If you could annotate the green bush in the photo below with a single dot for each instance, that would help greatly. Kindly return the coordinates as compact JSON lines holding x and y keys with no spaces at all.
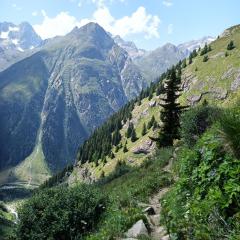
{"x":230,"y":46}
{"x":196,"y":120}
{"x":205,"y":58}
{"x":120,"y":169}
{"x":230,"y":130}
{"x":61,"y":213}
{"x":205,"y":201}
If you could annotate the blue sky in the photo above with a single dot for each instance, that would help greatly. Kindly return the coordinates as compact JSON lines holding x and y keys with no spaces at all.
{"x":149,"y":23}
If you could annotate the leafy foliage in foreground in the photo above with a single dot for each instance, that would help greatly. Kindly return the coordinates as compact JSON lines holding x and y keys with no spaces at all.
{"x":205,"y":201}
{"x":61,"y":213}
{"x":196,"y":120}
{"x":230,"y":131}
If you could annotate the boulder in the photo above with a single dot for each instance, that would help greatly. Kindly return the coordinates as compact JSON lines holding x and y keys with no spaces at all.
{"x":145,"y":147}
{"x":138,"y":229}
{"x":194,"y":99}
{"x":236,"y":83}
{"x":152,"y":103}
{"x":149,"y":211}
{"x":129,"y":239}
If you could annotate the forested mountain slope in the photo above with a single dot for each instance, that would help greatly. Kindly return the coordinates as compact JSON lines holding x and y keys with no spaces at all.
{"x":51,"y":101}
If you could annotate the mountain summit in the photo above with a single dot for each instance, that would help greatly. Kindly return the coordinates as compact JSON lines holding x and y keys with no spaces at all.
{"x":51,"y":101}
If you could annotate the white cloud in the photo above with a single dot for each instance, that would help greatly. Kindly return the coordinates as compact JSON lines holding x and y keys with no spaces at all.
{"x":59,"y":25}
{"x":35,"y":13}
{"x":170,"y":29}
{"x":139,"y":22}
{"x":167,"y":3}
{"x":14,"y":5}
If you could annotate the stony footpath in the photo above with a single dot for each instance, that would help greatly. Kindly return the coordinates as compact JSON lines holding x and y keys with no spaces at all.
{"x":152,"y":211}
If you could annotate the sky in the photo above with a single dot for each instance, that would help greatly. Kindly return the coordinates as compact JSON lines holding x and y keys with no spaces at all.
{"x":149,"y":23}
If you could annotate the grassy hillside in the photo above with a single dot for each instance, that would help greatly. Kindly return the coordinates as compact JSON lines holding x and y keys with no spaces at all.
{"x":218,"y":79}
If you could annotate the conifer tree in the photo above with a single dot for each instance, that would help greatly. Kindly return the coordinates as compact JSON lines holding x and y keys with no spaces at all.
{"x":194,"y":53}
{"x":129,"y":130}
{"x":230,"y":46}
{"x":151,"y":122}
{"x":190,"y":59}
{"x":205,"y":58}
{"x":144,"y":129}
{"x":125,"y":148}
{"x":112,"y":156}
{"x":170,"y":114}
{"x":133,"y":135}
{"x":205,"y":50}
{"x":155,"y":125}
{"x":184,"y":63}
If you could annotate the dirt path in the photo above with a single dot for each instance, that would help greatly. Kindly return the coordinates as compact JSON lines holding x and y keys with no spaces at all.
{"x":158,"y":232}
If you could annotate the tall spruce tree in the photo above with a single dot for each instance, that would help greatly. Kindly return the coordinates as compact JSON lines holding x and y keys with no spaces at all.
{"x":171,"y":109}
{"x":144,"y":129}
{"x":133,"y":135}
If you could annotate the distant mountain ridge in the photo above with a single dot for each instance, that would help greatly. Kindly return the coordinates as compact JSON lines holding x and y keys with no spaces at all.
{"x":129,"y":47}
{"x":188,"y":47}
{"x":21,"y":37}
{"x":16,"y":42}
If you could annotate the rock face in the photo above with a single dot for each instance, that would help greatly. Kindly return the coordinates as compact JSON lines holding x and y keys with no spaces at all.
{"x":129,"y":47}
{"x":188,"y":47}
{"x":56,"y":97}
{"x":145,"y":147}
{"x":16,"y":42}
{"x":236,"y":83}
{"x":156,"y":62}
{"x":138,"y":229}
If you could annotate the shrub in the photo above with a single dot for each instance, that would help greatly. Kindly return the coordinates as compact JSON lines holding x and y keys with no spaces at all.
{"x":231,"y":45}
{"x":205,"y":58}
{"x":230,"y":130}
{"x":121,"y":169}
{"x":196,"y":120}
{"x":204,"y":202}
{"x":61,"y":213}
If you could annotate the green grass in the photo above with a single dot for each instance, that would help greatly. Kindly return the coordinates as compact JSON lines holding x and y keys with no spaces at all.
{"x":33,"y":170}
{"x":128,"y":157}
{"x":210,"y":74}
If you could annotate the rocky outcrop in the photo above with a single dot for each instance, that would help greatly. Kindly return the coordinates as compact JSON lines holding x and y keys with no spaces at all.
{"x":145,"y":147}
{"x":152,"y":103}
{"x":228,"y":73}
{"x":81,"y":174}
{"x":137,"y":230}
{"x":236,"y":83}
{"x":218,"y":93}
{"x":187,"y":81}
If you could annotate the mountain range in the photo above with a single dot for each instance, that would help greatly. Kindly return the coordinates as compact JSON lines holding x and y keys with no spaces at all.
{"x":54,"y":93}
{"x":16,"y":42}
